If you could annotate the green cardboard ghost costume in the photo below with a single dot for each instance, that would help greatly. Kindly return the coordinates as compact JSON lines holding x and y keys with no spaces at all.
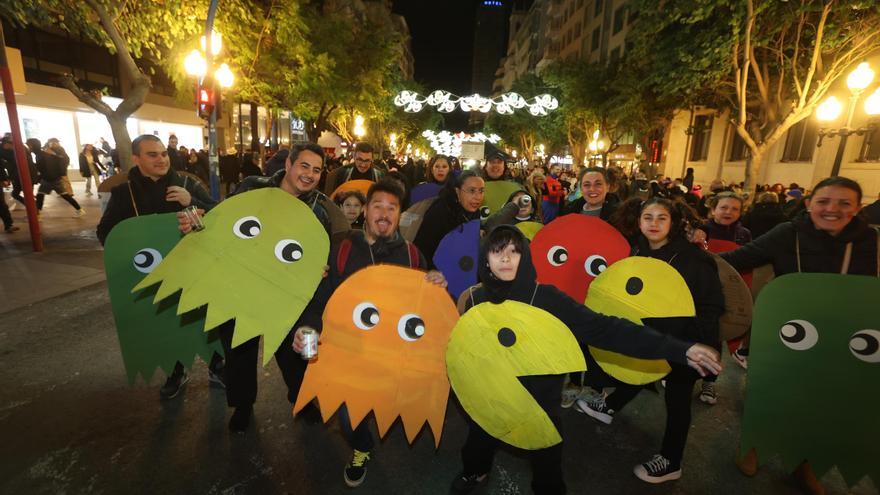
{"x":496,"y":194}
{"x":150,"y":336}
{"x":813,"y":390}
{"x":258,"y":260}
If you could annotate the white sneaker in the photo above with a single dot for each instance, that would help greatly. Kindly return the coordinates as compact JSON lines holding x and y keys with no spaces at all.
{"x":596,"y":409}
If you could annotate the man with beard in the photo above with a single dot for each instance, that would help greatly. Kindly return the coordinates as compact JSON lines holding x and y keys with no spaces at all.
{"x":362,"y":168}
{"x":300,"y":176}
{"x":379,"y":243}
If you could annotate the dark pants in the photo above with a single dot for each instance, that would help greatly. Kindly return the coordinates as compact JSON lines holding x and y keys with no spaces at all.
{"x":214,"y":366}
{"x":241,"y":367}
{"x":16,"y":191}
{"x":479,"y":451}
{"x":46,"y":187}
{"x":4,"y":211}
{"x":359,"y":438}
{"x":679,"y":389}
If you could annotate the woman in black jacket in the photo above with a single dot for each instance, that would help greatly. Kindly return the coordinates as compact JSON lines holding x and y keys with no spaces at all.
{"x":765,"y":214}
{"x":817,"y":240}
{"x":507,"y":273}
{"x":595,"y":200}
{"x":661,"y":227}
{"x":459,"y":202}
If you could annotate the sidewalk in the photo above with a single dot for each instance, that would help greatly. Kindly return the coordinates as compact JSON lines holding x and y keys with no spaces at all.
{"x":72,"y":257}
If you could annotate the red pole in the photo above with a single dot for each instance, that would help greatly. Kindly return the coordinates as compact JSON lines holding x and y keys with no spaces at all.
{"x":24,"y":173}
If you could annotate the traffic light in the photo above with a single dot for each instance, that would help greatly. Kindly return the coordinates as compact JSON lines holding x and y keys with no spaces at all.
{"x":207,"y":99}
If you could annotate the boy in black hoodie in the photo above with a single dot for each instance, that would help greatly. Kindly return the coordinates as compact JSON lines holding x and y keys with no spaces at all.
{"x":507,"y":273}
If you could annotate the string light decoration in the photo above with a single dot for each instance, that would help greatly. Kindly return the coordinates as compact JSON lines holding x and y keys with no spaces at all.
{"x":447,"y":143}
{"x":505,"y":104}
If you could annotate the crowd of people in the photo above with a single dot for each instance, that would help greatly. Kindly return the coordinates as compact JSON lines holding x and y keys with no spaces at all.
{"x":793,"y":229}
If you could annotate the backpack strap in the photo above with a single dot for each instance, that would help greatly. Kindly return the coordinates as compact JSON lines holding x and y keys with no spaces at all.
{"x":413,"y":254}
{"x":342,"y":255}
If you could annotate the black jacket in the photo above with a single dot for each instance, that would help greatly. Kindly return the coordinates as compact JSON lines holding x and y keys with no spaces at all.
{"x":734,"y":232}
{"x":588,"y":327}
{"x":820,"y":252}
{"x":872,"y":212}
{"x":608,"y":207}
{"x":143,"y":196}
{"x":700,"y":273}
{"x":442,"y":216}
{"x":360,"y":255}
{"x":763,"y":217}
{"x":51,"y":167}
{"x":84,"y":169}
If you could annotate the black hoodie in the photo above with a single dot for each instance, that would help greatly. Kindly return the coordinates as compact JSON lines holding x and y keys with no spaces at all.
{"x":588,"y":327}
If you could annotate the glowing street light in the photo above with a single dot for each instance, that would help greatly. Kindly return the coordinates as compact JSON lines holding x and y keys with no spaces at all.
{"x":216,"y":43}
{"x":224,"y":76}
{"x":359,"y":131}
{"x":857,"y":81}
{"x":195,"y":64}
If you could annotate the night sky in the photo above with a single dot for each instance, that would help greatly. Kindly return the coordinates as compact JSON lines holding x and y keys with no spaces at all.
{"x":442,"y":44}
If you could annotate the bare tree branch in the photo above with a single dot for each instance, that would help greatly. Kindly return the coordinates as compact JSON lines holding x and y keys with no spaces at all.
{"x":69,"y":82}
{"x":815,"y":60}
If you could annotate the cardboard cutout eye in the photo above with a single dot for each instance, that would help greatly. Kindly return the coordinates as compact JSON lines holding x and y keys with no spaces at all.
{"x":865,"y":345}
{"x":146,"y":260}
{"x":365,"y":316}
{"x":247,"y":227}
{"x":411,"y":327}
{"x":595,"y":265}
{"x":799,"y":335}
{"x":288,"y":251}
{"x":557,"y":255}
{"x":484,"y":212}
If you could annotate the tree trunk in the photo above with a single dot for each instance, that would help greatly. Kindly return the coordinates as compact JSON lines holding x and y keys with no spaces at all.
{"x":123,"y":141}
{"x":753,"y":168}
{"x":255,"y":127}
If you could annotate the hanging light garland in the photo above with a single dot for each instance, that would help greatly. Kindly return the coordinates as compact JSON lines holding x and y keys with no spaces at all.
{"x":505,"y":104}
{"x":447,"y":143}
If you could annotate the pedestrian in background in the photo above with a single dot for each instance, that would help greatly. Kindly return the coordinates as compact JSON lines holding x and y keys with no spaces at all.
{"x":90,"y":168}
{"x":52,"y":170}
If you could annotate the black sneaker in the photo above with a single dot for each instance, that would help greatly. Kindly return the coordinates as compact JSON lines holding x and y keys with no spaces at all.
{"x":707,"y":393}
{"x":240,"y":419}
{"x":596,"y":408}
{"x":173,"y":385}
{"x":468,"y":483}
{"x":356,"y":470}
{"x":657,"y":470}
{"x":741,"y":356}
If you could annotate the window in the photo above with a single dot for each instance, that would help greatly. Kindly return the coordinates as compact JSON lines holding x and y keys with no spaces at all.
{"x":871,"y":146}
{"x":701,"y":132}
{"x":595,"y":43}
{"x":598,"y":9}
{"x":738,"y":149}
{"x":800,"y":142}
{"x":619,"y":18}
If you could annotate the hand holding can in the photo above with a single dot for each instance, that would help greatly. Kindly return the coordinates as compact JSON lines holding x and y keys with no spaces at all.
{"x":309,"y":342}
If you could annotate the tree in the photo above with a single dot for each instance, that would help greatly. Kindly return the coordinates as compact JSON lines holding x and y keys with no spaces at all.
{"x":769,"y":62}
{"x":141,"y":33}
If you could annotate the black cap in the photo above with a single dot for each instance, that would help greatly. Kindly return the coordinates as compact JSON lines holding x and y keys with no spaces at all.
{"x":493,"y":153}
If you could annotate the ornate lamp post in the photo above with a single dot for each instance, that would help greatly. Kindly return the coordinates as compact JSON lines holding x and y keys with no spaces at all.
{"x":857,"y":81}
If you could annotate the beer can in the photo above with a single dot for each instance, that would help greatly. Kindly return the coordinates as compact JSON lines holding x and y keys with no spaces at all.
{"x":194,"y":218}
{"x":310,"y":343}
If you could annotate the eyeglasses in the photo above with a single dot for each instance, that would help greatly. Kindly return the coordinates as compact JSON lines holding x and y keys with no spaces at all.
{"x":473,"y":190}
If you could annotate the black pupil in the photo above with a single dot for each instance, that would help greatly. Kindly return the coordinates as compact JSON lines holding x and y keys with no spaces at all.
{"x":506,"y":337}
{"x":871,"y":347}
{"x":799,"y":333}
{"x":466,"y":263}
{"x":367,"y":316}
{"x":289,"y":251}
{"x":560,"y":256}
{"x":411,"y":325}
{"x":147,"y":261}
{"x":597,"y":265}
{"x":246,"y":227}
{"x":484,"y":211}
{"x":634,"y":285}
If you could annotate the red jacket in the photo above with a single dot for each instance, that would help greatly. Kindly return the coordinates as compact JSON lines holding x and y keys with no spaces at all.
{"x":554,"y":192}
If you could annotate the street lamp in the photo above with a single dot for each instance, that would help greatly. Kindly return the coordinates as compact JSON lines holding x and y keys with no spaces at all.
{"x":857,"y":81}
{"x":359,"y":130}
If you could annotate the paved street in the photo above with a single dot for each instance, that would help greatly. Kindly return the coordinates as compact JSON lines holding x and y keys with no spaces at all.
{"x":71,"y":424}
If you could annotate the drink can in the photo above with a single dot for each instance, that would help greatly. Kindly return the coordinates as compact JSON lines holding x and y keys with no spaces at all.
{"x":310,"y":343}
{"x":194,"y":218}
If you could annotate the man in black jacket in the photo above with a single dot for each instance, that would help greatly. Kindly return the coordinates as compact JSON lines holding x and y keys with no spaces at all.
{"x":178,"y":164}
{"x":302,"y":171}
{"x":379,"y":243}
{"x":362,"y":169}
{"x":153,"y":187}
{"x":4,"y":209}
{"x":52,"y":171}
